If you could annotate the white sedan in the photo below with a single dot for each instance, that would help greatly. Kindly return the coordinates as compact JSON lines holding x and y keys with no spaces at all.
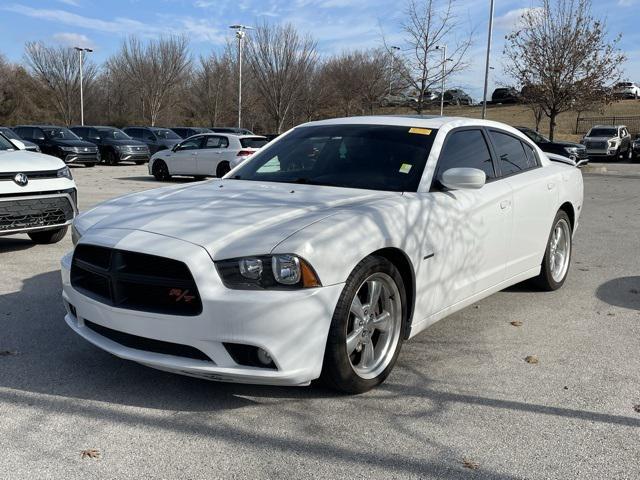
{"x":204,"y":155}
{"x":323,"y":252}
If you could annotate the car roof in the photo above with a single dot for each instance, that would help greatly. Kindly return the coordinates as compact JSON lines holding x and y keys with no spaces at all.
{"x":609,"y":126}
{"x":426,"y":121}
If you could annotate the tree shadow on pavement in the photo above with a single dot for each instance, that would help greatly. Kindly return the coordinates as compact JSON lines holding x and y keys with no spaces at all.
{"x":621,"y":292}
{"x":12,"y":244}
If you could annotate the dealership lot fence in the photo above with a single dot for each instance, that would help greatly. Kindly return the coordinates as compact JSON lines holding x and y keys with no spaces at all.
{"x":632,"y":123}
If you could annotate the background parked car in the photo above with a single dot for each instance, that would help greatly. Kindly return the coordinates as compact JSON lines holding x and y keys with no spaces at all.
{"x":11,"y":135}
{"x":60,"y":142}
{"x":456,"y":97}
{"x":626,"y":90}
{"x":505,"y":95}
{"x":610,"y":142}
{"x":574,"y":151}
{"x":204,"y":155}
{"x":636,"y":148}
{"x":232,"y":130}
{"x":115,"y":145}
{"x":398,"y":100}
{"x":186,"y":132}
{"x":156,"y":138}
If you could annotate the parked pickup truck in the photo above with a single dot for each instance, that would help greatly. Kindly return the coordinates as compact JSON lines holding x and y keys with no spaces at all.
{"x":608,"y":142}
{"x":37,"y":193}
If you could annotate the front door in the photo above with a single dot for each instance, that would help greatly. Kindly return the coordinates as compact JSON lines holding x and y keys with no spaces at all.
{"x":183,"y":160}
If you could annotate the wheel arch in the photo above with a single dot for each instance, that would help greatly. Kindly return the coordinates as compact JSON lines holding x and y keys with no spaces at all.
{"x":567,"y":207}
{"x":402,"y":262}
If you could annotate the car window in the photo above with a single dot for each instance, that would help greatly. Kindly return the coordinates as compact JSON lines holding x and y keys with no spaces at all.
{"x":37,"y":134}
{"x":6,"y":144}
{"x":466,"y":148}
{"x":531,"y":155}
{"x":147,"y":135}
{"x":603,"y":132}
{"x":216,"y":142}
{"x":512,"y":157}
{"x":253,"y":142}
{"x":191,"y":144}
{"x":376,"y":157}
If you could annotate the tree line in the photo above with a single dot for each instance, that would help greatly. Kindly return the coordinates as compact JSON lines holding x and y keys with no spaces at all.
{"x":559,"y":55}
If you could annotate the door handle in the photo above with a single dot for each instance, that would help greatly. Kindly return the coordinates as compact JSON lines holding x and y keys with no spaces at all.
{"x":550,"y":186}
{"x":505,"y":204}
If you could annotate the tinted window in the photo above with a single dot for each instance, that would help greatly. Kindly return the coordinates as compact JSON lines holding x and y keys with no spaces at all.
{"x":113,"y":133}
{"x":511,"y":155}
{"x":191,"y":144}
{"x":466,"y":148}
{"x":24,"y":132}
{"x":10,"y":134}
{"x":216,"y":142}
{"x":377,"y":157}
{"x":59,"y":133}
{"x":255,"y":142}
{"x":166,"y":134}
{"x":531,"y":155}
{"x":6,"y":144}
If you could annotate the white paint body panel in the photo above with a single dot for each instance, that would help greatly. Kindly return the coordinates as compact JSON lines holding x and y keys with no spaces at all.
{"x":462,"y":245}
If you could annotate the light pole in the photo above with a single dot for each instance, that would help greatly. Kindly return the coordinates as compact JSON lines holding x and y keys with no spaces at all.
{"x":393,"y":61}
{"x":444,"y":74}
{"x":80,"y":52}
{"x":240,"y":34}
{"x":486,"y":68}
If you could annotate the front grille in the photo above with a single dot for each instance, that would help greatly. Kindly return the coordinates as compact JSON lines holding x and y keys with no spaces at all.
{"x":147,"y":344}
{"x":596,"y":145}
{"x":135,"y":281}
{"x":31,"y":175}
{"x":34,"y":212}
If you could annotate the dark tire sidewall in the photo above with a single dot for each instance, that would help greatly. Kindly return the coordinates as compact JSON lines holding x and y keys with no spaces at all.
{"x":546,"y":280}
{"x":222,"y":169}
{"x":337,"y":371}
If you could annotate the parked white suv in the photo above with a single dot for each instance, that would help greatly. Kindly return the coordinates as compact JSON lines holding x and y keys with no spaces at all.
{"x":37,"y":193}
{"x":626,"y":90}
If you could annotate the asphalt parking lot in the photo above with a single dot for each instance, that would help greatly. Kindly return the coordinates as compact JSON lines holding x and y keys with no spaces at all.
{"x":461,"y":402}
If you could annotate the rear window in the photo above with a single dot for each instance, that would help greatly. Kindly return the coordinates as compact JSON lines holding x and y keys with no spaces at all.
{"x":253,"y":142}
{"x":374,"y":157}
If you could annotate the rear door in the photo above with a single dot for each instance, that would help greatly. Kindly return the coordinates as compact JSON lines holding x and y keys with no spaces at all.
{"x":215,"y":149}
{"x":535,"y":195}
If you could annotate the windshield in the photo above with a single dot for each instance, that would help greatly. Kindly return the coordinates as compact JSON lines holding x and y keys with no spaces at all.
{"x":253,"y":142}
{"x":603,"y":132}
{"x":6,"y":144}
{"x":376,"y":157}
{"x":113,"y":134}
{"x":536,"y":137}
{"x":167,"y":134}
{"x":60,"y":133}
{"x":7,"y":132}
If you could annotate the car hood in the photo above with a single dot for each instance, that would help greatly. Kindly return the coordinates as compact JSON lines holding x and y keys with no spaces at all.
{"x":599,"y":139}
{"x":123,"y":143}
{"x":229,"y":218}
{"x":73,"y":143}
{"x":25,"y":161}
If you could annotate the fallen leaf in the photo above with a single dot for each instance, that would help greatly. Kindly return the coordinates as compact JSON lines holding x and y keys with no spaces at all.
{"x":516,"y":323}
{"x":7,"y":353}
{"x":470,"y":464}
{"x":566,"y":388}
{"x":637,"y":408}
{"x":90,"y":453}
{"x":531,"y":359}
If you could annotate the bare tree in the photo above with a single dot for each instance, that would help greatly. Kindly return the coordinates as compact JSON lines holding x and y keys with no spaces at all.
{"x":430,"y":24}
{"x":156,"y":71}
{"x":564,"y":51}
{"x":280,"y":60}
{"x":58,"y":70}
{"x":211,"y":93}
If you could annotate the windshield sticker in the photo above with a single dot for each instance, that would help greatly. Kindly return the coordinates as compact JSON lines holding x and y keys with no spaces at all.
{"x":420,"y":131}
{"x":405,"y":168}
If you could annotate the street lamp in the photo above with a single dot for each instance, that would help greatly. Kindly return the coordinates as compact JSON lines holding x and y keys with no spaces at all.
{"x":393,"y":61}
{"x":80,"y":52}
{"x":486,"y":68}
{"x":240,"y":34}
{"x":444,"y":74}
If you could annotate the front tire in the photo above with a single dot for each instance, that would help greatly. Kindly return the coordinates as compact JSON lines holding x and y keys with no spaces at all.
{"x":367,"y":328}
{"x":557,"y":256}
{"x":161,"y":171}
{"x":110,"y":158}
{"x":48,"y":236}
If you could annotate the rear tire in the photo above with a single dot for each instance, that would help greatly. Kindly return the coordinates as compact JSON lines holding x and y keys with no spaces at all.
{"x":362,"y":348}
{"x":48,"y":236}
{"x":222,"y":169}
{"x":554,"y":270}
{"x":161,"y":171}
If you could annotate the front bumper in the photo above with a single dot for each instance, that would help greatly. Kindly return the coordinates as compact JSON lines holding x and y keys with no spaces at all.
{"x":37,"y":212}
{"x":292,"y":326}
{"x":83,"y":158}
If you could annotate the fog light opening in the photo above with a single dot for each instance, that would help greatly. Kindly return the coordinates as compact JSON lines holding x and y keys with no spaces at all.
{"x":264,"y":357}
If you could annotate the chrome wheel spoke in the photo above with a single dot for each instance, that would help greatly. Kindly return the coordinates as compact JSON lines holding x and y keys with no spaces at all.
{"x":358,"y":309}
{"x":381,"y":322}
{"x":367,"y":355}
{"x":353,"y":339}
{"x":375,"y":289}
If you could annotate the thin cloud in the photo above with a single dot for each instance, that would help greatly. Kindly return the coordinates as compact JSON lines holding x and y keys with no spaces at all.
{"x":73,"y":39}
{"x":513,"y":18}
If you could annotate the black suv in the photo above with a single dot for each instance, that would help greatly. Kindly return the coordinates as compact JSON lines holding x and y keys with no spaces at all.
{"x":186,"y":132}
{"x":574,"y":151}
{"x":115,"y":145}
{"x":11,"y":135}
{"x":156,"y":138}
{"x":456,"y":97}
{"x":60,"y":142}
{"x":505,"y":95}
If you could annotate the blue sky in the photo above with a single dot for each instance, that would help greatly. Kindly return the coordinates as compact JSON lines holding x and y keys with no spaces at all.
{"x":337,"y":25}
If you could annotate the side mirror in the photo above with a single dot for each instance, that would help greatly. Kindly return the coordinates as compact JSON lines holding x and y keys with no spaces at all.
{"x":175,"y":147}
{"x":581,"y":163}
{"x":19,"y":145}
{"x":463,"y":178}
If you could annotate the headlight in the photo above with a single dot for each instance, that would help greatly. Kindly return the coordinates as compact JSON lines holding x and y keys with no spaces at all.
{"x":75,"y":235}
{"x":571,"y":150}
{"x":613,"y":143}
{"x":68,"y":149}
{"x":284,"y":271}
{"x":37,"y":148}
{"x":64,"y":172}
